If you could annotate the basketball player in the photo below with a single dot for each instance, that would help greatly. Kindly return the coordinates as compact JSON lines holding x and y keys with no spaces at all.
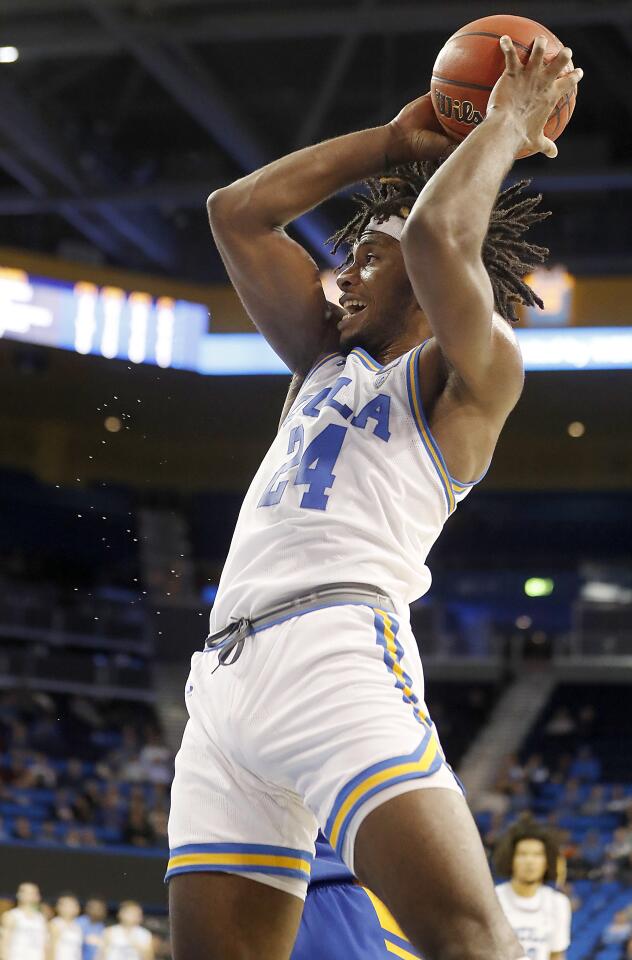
{"x":23,"y":929}
{"x":66,"y":935}
{"x":307,"y":706}
{"x":92,"y":925}
{"x":127,"y":939}
{"x":540,"y":916}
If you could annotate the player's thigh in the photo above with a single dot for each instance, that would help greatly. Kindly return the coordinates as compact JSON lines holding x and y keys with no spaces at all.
{"x":422,"y":855}
{"x":220,"y":916}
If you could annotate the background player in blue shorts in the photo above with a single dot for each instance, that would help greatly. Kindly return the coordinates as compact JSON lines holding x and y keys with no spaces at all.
{"x":342,"y":920}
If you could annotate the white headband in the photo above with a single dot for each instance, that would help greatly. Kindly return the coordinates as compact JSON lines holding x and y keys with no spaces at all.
{"x":393,"y":226}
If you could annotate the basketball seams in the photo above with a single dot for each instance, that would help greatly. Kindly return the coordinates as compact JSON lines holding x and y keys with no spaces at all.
{"x":484,"y":33}
{"x":461,"y":83}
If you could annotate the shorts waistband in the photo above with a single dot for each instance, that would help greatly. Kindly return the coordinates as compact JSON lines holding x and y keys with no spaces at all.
{"x":231,"y":639}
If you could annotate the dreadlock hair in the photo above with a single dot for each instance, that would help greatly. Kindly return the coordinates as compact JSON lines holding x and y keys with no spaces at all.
{"x":507,"y":257}
{"x":526,"y":827}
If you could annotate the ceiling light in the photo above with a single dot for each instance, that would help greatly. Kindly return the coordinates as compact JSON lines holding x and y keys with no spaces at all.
{"x":9,"y":54}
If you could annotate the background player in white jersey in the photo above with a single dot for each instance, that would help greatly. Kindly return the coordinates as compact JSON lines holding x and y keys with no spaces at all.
{"x":127,"y":939}
{"x":23,"y":933}
{"x":539,"y":915}
{"x":307,"y":706}
{"x":65,"y":933}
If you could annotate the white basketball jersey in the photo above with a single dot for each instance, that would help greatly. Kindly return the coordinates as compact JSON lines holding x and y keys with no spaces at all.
{"x":353,"y":488}
{"x":542,"y":923}
{"x":28,"y":937}
{"x":69,"y":941}
{"x":126,"y":943}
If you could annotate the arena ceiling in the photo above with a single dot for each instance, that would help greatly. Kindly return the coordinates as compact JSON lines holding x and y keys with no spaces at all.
{"x":120,"y":116}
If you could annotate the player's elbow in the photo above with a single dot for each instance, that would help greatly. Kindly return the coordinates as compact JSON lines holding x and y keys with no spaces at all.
{"x":220,"y":206}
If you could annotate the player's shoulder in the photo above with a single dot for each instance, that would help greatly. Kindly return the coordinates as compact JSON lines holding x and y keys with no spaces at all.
{"x":556,"y":897}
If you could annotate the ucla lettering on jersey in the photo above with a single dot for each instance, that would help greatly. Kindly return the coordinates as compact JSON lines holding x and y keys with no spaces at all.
{"x":353,"y":488}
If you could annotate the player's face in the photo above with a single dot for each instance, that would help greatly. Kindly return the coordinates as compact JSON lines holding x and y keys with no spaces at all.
{"x":529,"y":862}
{"x":67,"y":908}
{"x":28,"y":895}
{"x":96,"y":910}
{"x":377,"y":279}
{"x":130,"y":915}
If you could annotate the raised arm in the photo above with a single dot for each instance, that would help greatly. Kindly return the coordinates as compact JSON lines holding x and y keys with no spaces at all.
{"x":443,"y":237}
{"x":276,"y":279}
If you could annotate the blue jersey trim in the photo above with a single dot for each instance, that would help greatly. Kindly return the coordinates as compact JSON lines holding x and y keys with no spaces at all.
{"x":320,"y":363}
{"x":366,"y":359}
{"x":239,"y":858}
{"x":452,"y":487}
{"x":302,"y":613}
{"x":423,"y":762}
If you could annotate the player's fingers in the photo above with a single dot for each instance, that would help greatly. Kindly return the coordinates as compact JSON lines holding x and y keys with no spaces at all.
{"x":568,"y":83}
{"x":561,"y":60}
{"x":547,"y":147}
{"x":537,"y":52}
{"x":512,"y":63}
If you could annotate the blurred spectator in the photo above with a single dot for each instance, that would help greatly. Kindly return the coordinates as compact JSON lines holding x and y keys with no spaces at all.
{"x":585,"y":766}
{"x":519,"y":798}
{"x":42,"y":772}
{"x":65,"y":933}
{"x":128,"y":935}
{"x":83,"y":808}
{"x":561,"y":723}
{"x":88,"y":837}
{"x":571,"y":798}
{"x":137,"y":831}
{"x":536,"y":770}
{"x":156,"y":760}
{"x":619,"y":928}
{"x":24,"y":932}
{"x":48,"y":833}
{"x":73,"y":773}
{"x":22,"y":829}
{"x":592,"y":850}
{"x":92,"y":924}
{"x":158,"y":821}
{"x":595,"y":804}
{"x":619,"y":801}
{"x":159,"y":929}
{"x":47,"y":911}
{"x":621,"y":846}
{"x":113,"y":807}
{"x":73,"y":838}
{"x":63,"y":806}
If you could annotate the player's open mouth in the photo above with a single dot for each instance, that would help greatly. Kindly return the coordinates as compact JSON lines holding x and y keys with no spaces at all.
{"x":352,"y":308}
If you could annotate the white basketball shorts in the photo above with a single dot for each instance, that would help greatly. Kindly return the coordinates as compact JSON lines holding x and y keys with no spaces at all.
{"x":319,"y":721}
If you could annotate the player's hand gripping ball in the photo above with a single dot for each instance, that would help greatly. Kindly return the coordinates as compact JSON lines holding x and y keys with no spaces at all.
{"x":470,"y":64}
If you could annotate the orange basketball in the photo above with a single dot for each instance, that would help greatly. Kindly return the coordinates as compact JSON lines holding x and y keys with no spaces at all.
{"x":471,"y":62}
